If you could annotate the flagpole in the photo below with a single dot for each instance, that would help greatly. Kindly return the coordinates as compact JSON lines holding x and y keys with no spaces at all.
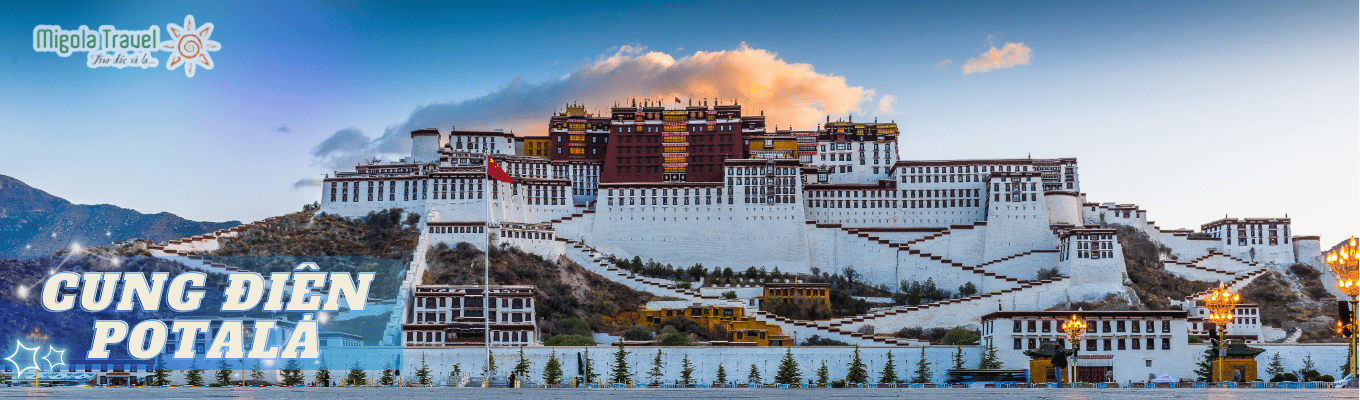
{"x":486,"y":278}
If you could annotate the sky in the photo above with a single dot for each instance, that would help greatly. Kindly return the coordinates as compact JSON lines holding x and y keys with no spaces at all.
{"x":1191,"y":110}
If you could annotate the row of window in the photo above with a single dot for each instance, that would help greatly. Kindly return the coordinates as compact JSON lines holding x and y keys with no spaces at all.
{"x":1108,"y":344}
{"x":1100,"y":326}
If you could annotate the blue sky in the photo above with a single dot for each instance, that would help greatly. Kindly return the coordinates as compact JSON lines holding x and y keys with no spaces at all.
{"x":1192,"y":110}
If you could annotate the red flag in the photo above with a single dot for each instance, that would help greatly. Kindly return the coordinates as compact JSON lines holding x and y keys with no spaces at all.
{"x":494,"y":171}
{"x":677,"y":99}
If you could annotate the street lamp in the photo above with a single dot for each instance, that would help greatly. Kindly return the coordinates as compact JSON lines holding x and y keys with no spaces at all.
{"x":1221,"y":303}
{"x":1343,"y":262}
{"x":1075,"y":327}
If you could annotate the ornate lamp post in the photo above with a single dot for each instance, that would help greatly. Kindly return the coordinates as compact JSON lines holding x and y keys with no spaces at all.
{"x":1343,"y":262}
{"x":1221,"y":303}
{"x":1075,"y":327}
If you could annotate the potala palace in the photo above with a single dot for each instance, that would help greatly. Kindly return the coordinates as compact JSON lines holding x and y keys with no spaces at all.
{"x":706,"y":184}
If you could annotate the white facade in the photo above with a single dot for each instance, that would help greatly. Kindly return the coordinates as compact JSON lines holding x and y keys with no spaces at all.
{"x":1131,"y":344}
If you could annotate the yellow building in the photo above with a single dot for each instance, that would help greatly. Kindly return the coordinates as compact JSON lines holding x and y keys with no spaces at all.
{"x":772,"y":147}
{"x":741,"y":329}
{"x":536,"y":146}
{"x":779,"y":292}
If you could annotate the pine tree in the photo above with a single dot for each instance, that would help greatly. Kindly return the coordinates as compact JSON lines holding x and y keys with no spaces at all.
{"x":1205,"y":368}
{"x":620,"y":372}
{"x":356,"y":376}
{"x":323,"y":374}
{"x":195,"y":376}
{"x":923,"y":373}
{"x":788,"y":370}
{"x":823,"y":374}
{"x":722,"y":375}
{"x":457,"y":372}
{"x":754,"y":376}
{"x":223,"y":373}
{"x":291,"y":373}
{"x":552,"y":373}
{"x":161,"y":377}
{"x":423,"y":374}
{"x":686,"y":370}
{"x":655,"y":374}
{"x":256,"y":374}
{"x":958,"y":358}
{"x":522,"y":366}
{"x":490,"y":368}
{"x":1308,"y":365}
{"x":589,"y":368}
{"x":989,"y":358}
{"x":858,"y":372}
{"x":889,"y":374}
{"x":386,"y":379}
{"x":1276,"y":365}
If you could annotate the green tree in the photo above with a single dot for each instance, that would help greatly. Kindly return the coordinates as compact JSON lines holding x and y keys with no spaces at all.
{"x":160,"y":377}
{"x":323,"y":374}
{"x":754,"y":376}
{"x":989,"y":358}
{"x":858,"y":373}
{"x":356,"y":376}
{"x":958,"y":358}
{"x":489,"y":369}
{"x":195,"y":376}
{"x":568,"y":340}
{"x":521,"y":369}
{"x":674,"y":339}
{"x":968,"y":289}
{"x":923,"y":373}
{"x":823,"y":374}
{"x":655,"y":374}
{"x":423,"y":374}
{"x":722,"y":372}
{"x":387,"y":379}
{"x":1276,"y":365}
{"x":552,"y":372}
{"x":457,"y":373}
{"x":256,"y":374}
{"x":1205,"y":368}
{"x":686,"y":370}
{"x":1308,"y":365}
{"x":223,"y":374}
{"x":291,"y":373}
{"x":889,"y":374}
{"x":788,"y":370}
{"x":959,"y":336}
{"x":588,"y":369}
{"x":620,"y":373}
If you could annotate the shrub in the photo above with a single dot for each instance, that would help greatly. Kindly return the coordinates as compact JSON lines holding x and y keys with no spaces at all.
{"x":817,"y":340}
{"x":568,"y":340}
{"x":1047,"y":273}
{"x":959,"y":336}
{"x":730,"y":294}
{"x":1285,"y":377}
{"x":1194,"y":339}
{"x":1327,"y":378}
{"x":637,"y":333}
{"x":674,"y":339}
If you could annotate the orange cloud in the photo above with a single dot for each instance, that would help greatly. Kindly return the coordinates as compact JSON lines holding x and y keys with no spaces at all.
{"x":790,"y":94}
{"x":1010,"y":55}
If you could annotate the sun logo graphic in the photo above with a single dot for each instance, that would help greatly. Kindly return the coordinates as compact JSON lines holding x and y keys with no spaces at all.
{"x":189,"y":46}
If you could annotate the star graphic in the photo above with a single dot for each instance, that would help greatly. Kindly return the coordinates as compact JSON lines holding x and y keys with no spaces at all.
{"x":32,"y":356}
{"x":61,"y":357}
{"x":190,"y":46}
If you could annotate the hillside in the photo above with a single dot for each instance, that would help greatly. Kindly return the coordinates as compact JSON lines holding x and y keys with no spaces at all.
{"x":564,"y":288}
{"x":36,"y":223}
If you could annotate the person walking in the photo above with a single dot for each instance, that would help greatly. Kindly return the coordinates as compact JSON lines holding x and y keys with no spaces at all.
{"x":1059,"y":363}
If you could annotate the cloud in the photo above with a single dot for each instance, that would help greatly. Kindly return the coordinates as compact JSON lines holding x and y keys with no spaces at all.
{"x":284,"y":129}
{"x":789,"y":94}
{"x":306,"y":183}
{"x":944,"y":63}
{"x":885,"y":104}
{"x":1010,"y":55}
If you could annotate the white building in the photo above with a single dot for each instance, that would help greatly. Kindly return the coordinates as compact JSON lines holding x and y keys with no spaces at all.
{"x":460,"y":315}
{"x":1131,"y":345}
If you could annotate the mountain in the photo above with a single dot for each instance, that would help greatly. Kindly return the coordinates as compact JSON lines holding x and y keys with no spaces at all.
{"x":35,"y":223}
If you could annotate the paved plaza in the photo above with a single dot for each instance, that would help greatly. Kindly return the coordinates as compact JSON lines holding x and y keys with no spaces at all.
{"x":687,"y":394}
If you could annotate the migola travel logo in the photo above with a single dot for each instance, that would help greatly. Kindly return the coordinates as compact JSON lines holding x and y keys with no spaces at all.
{"x":111,"y":47}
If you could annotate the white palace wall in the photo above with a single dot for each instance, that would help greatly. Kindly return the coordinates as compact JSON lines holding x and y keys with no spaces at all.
{"x":736,"y":236}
